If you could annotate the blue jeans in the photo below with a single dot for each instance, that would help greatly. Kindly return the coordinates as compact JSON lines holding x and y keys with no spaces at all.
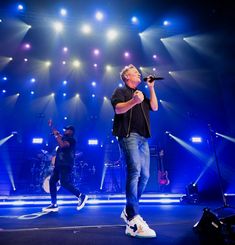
{"x":135,"y":150}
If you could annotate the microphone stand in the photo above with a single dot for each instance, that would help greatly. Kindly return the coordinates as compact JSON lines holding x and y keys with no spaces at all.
{"x":220,"y":220}
{"x":217,"y":165}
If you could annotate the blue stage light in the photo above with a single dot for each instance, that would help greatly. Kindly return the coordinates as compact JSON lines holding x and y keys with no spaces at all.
{"x":196,"y":139}
{"x":4,"y":78}
{"x":32,"y":92}
{"x":20,"y":7}
{"x":99,"y":16}
{"x":166,"y":23}
{"x":93,"y":142}
{"x":134,"y":20}
{"x":32,"y":80}
{"x":37,"y":140}
{"x":4,"y":91}
{"x":63,"y":12}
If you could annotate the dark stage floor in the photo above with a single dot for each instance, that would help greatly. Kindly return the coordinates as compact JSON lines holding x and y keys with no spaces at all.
{"x":99,"y":225}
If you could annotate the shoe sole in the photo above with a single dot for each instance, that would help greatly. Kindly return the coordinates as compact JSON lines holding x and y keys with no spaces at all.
{"x":137,"y":236}
{"x":84,"y":202}
{"x":51,"y":210}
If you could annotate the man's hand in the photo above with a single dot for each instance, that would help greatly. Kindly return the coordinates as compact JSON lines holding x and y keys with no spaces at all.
{"x":55,"y":132}
{"x":138,"y":97}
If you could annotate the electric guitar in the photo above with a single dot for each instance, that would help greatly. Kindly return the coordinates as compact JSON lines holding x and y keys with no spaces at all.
{"x":162,"y":174}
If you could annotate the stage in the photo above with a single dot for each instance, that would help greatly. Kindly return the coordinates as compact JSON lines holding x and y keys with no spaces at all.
{"x":100,"y":224}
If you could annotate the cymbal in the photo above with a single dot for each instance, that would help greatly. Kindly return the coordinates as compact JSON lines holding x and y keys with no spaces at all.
{"x":44,"y":151}
{"x":78,"y":154}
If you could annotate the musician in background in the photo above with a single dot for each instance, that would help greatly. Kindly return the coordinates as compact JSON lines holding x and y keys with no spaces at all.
{"x":132,"y":127}
{"x":64,"y":161}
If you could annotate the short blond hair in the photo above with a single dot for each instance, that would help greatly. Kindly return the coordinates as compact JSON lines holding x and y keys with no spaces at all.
{"x":125,"y":70}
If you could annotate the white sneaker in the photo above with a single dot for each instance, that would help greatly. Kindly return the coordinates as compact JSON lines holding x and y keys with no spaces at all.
{"x":124,"y":216}
{"x":137,"y":227}
{"x":51,"y":208}
{"x":82,"y":201}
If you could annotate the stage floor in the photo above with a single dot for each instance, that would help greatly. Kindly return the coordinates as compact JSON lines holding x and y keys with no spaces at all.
{"x":99,"y":224}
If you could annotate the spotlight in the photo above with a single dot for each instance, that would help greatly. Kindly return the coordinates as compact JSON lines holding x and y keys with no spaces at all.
{"x":64,"y":94}
{"x":64,"y":62}
{"x":166,"y":23}
{"x":47,"y":63}
{"x":63,"y":12}
{"x":25,"y":59}
{"x":167,"y":132}
{"x":196,"y":139}
{"x":93,"y":95}
{"x":99,"y":16}
{"x":4,"y":78}
{"x":155,"y":56}
{"x":112,"y":34}
{"x":96,"y":51}
{"x":10,"y":58}
{"x":32,"y":80}
{"x":32,"y":92}
{"x":92,"y":142}
{"x":65,"y":49}
{"x":86,"y":29}
{"x":37,"y":140}
{"x":108,"y":68}
{"x":77,"y":95}
{"x":0,"y":20}
{"x":126,"y":54}
{"x":4,"y":91}
{"x":105,"y":98}
{"x":52,"y":94}
{"x":120,"y":85}
{"x":27,"y":46}
{"x":76,"y":63}
{"x":20,"y":7}
{"x":65,"y":82}
{"x":95,"y":65}
{"x":18,"y":94}
{"x":58,"y":26}
{"x":93,"y":84}
{"x":65,"y":118}
{"x":134,"y":20}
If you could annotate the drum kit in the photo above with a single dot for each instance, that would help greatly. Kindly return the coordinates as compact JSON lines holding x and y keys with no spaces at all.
{"x":43,"y":165}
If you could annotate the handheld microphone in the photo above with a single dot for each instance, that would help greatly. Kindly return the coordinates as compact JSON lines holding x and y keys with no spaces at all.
{"x":152,"y":78}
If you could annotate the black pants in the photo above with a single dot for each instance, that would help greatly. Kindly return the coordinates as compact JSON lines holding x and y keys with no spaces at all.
{"x":64,"y":174}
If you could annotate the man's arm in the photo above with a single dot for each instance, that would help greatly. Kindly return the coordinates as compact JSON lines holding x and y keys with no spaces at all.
{"x":153,"y":96}
{"x":123,"y":107}
{"x":58,"y":137}
{"x":153,"y":99}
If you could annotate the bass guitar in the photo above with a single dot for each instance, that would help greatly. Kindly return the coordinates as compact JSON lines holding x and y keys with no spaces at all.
{"x":162,"y":174}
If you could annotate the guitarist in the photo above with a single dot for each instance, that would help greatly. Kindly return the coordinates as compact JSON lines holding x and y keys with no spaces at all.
{"x":64,"y":161}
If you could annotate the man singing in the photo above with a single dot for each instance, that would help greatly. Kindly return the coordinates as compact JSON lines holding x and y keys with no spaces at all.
{"x":64,"y":161}
{"x":132,"y":127}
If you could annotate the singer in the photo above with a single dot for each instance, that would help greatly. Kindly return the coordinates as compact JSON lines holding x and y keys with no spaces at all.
{"x":132,"y":127}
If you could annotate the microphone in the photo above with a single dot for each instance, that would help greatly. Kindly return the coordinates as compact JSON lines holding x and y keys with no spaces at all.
{"x":152,"y":78}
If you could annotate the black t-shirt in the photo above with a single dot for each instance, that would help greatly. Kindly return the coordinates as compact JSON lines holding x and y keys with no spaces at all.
{"x":138,"y":122}
{"x":65,"y":156}
{"x":134,"y":120}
